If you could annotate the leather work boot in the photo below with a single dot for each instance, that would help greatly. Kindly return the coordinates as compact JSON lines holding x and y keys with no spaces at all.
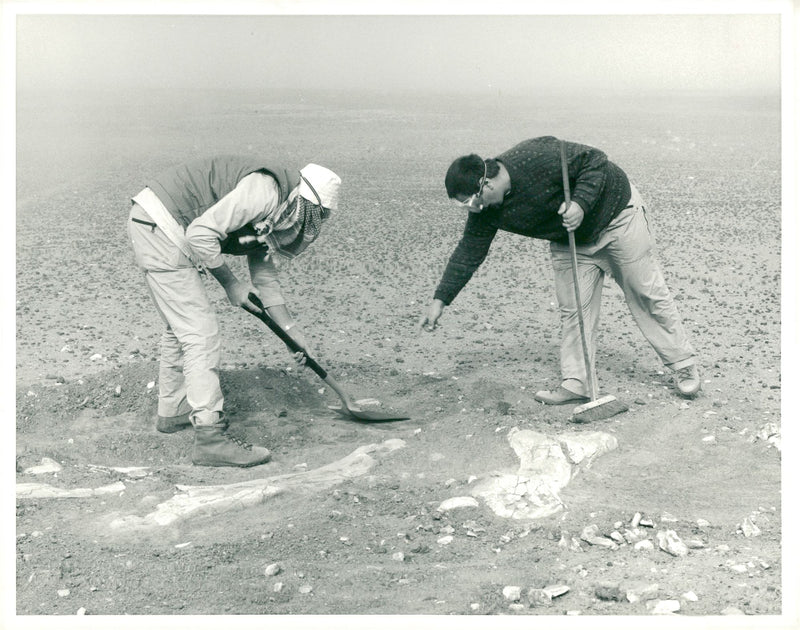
{"x":687,"y":380}
{"x":214,"y":446}
{"x":170,"y":424}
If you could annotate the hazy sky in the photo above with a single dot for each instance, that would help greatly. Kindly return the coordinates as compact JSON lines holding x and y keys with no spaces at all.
{"x":458,"y":52}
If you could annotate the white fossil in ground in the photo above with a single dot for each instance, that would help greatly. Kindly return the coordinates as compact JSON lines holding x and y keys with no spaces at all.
{"x":205,"y":500}
{"x":547,"y":463}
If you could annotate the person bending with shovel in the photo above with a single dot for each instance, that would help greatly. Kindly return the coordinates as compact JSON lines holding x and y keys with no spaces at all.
{"x":602,"y":229}
{"x":180,"y":225}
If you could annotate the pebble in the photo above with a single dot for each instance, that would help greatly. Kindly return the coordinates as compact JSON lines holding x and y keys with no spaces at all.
{"x":591,"y":535}
{"x":731,"y":610}
{"x":474,"y":606}
{"x":556,"y":590}
{"x":701,"y":522}
{"x":457,"y":502}
{"x":272,"y":569}
{"x":664,"y":607}
{"x":305,"y":589}
{"x":516,"y":607}
{"x":277,"y":587}
{"x":445,"y":540}
{"x":512,"y":593}
{"x":644,"y":545}
{"x":399,"y":556}
{"x":689,"y":596}
{"x":637,"y":518}
{"x":63,"y":592}
{"x":641,"y":591}
{"x":749,"y":528}
{"x":81,"y":611}
{"x":669,"y":541}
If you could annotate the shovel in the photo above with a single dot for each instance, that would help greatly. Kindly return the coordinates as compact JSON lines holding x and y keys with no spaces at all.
{"x":349,"y":408}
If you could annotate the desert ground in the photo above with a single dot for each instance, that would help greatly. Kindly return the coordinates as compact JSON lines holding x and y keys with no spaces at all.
{"x":671,"y":508}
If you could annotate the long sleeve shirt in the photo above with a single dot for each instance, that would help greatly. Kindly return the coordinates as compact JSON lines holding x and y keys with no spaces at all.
{"x":254,"y":198}
{"x":531,"y":207}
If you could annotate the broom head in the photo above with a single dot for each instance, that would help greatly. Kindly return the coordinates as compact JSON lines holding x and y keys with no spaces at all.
{"x":600,"y":409}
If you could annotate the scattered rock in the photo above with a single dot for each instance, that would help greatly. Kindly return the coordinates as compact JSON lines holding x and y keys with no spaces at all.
{"x":556,"y":590}
{"x":689,"y":596}
{"x":664,"y":607}
{"x":637,"y":518}
{"x":669,"y":541}
{"x":277,"y":587}
{"x":272,"y":569}
{"x":512,"y":593}
{"x":644,"y":545}
{"x":641,"y":591}
{"x":445,"y":540}
{"x":749,"y":528}
{"x":399,"y":556}
{"x":457,"y":502}
{"x":591,"y":534}
{"x":305,"y":589}
{"x":63,"y":592}
{"x":731,"y":610}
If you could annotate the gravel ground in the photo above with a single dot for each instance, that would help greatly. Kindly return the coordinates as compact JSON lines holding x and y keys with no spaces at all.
{"x":704,"y":472}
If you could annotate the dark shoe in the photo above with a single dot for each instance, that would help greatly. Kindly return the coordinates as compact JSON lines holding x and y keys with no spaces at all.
{"x":560,"y":396}
{"x":687,"y":380}
{"x":171,"y":424}
{"x":214,"y":446}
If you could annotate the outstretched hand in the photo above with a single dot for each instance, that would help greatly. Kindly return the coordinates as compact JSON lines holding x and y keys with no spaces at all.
{"x":431,"y":316}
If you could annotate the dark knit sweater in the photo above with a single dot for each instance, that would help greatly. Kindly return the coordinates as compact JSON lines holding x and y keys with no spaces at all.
{"x":531,"y":207}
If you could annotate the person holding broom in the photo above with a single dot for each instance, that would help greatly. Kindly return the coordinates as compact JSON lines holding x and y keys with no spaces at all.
{"x":180,"y":225}
{"x":522,"y":191}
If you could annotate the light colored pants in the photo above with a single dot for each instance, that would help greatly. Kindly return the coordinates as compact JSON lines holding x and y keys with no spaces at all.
{"x":188,"y":378}
{"x":624,"y":250}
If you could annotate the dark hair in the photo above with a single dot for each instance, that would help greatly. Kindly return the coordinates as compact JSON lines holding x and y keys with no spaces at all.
{"x":464,"y":175}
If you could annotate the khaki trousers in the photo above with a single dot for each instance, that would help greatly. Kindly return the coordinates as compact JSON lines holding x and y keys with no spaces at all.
{"x":188,"y":378}
{"x":625,"y":251}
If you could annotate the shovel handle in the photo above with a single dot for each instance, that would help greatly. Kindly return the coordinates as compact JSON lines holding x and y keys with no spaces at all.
{"x":285,"y":337}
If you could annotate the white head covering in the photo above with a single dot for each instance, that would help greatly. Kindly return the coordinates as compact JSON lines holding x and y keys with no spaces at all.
{"x":324,"y":181}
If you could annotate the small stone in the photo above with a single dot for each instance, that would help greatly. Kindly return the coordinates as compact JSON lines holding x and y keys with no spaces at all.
{"x":641,"y":591}
{"x":749,"y":528}
{"x":305,"y":589}
{"x":474,"y":606}
{"x":644,"y":545}
{"x":556,"y":590}
{"x":151,"y":385}
{"x":664,"y":607}
{"x":96,"y":357}
{"x":516,"y":607}
{"x":637,"y":518}
{"x":63,"y":592}
{"x":81,"y":611}
{"x":690,"y":596}
{"x":447,"y":529}
{"x":277,"y":587}
{"x":272,"y":569}
{"x":457,"y":502}
{"x":647,"y":522}
{"x":701,"y":522}
{"x":512,"y":593}
{"x":399,"y":556}
{"x":445,"y":540}
{"x":608,"y":591}
{"x":731,"y":610}
{"x":617,"y":537}
{"x":695,"y":543}
{"x":666,"y":517}
{"x":633,"y":536}
{"x":118,"y":391}
{"x":669,"y":541}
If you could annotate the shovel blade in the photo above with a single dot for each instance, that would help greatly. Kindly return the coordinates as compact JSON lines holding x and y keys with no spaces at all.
{"x":368,"y":415}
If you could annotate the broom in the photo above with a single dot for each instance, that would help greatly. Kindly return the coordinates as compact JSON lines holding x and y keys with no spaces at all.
{"x":596,"y":408}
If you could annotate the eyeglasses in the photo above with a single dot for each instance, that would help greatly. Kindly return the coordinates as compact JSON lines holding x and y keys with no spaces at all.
{"x":470,"y":202}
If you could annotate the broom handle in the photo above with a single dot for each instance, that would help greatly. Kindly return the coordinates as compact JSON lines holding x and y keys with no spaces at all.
{"x":574,"y":255}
